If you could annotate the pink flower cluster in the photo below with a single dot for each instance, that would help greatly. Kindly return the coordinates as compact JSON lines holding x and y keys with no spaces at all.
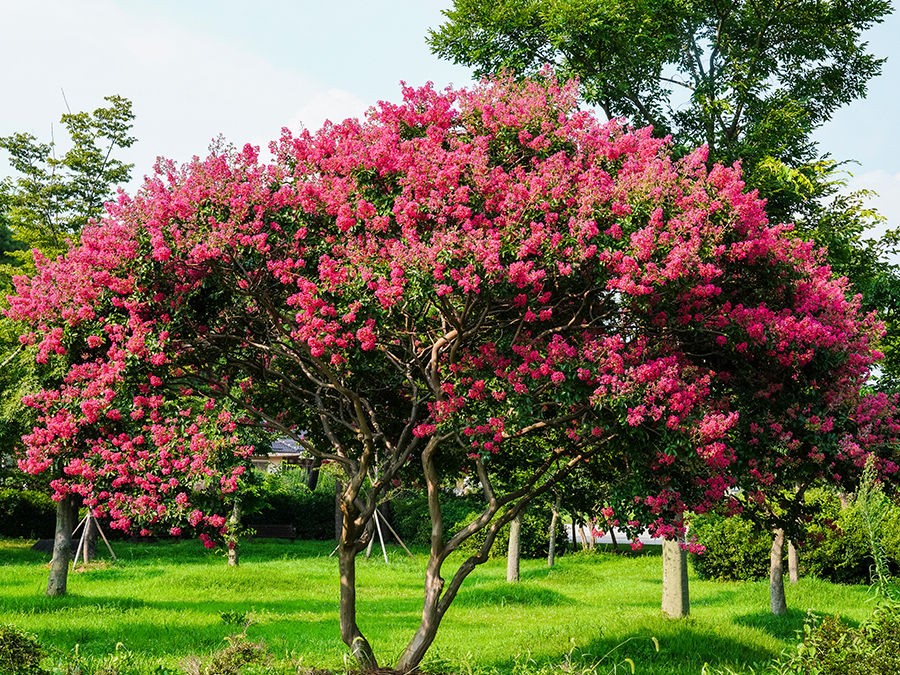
{"x":492,"y":269}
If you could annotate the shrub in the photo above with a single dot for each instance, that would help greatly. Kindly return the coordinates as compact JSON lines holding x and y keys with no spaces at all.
{"x":27,"y":514}
{"x":834,"y":648}
{"x":20,"y":652}
{"x":836,"y":546}
{"x":735,"y":548}
{"x":283,"y":497}
{"x":239,"y":653}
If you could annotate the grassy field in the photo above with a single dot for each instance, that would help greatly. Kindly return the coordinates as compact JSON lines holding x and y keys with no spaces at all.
{"x":163,"y":603}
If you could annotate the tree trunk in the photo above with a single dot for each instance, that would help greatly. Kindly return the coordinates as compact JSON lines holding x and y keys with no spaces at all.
{"x":793,"y":563}
{"x":675,"y":596}
{"x":62,"y":548}
{"x":312,"y":474}
{"x":512,"y":552}
{"x":431,"y":618}
{"x":338,"y":517}
{"x":234,"y":526}
{"x":776,"y":574}
{"x":551,"y":545}
{"x":612,"y":537}
{"x":350,"y":633}
{"x":89,"y":551}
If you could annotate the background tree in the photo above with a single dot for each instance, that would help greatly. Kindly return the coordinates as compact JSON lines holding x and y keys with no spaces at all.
{"x":464,"y":286}
{"x":51,"y":196}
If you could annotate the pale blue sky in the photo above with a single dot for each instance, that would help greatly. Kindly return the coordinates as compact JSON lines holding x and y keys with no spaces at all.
{"x":198,"y":68}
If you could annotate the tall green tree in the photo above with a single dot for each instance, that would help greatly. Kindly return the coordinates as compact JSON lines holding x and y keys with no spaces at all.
{"x":53,"y":194}
{"x":749,"y":79}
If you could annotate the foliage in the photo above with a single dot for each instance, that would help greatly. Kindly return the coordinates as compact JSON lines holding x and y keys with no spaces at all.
{"x":834,"y":545}
{"x":834,"y":648}
{"x":837,"y":546}
{"x":283,"y":497}
{"x":26,"y":513}
{"x":44,"y":205}
{"x":412,"y":522}
{"x":750,"y":81}
{"x":20,"y":652}
{"x":53,"y":197}
{"x":734,"y":548}
{"x":231,"y":659}
{"x":373,"y":294}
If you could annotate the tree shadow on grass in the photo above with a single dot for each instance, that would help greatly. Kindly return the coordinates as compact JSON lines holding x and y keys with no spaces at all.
{"x":500,"y":594}
{"x":19,"y":552}
{"x":784,"y":627}
{"x":683,"y":649}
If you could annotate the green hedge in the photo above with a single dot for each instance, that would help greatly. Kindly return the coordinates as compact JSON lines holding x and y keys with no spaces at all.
{"x":283,"y":498}
{"x":735,"y":549}
{"x":413,"y":524}
{"x":26,"y":514}
{"x":835,"y":546}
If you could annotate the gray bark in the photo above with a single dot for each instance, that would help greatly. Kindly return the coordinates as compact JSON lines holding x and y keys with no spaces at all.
{"x":551,"y":545}
{"x":89,"y":552}
{"x":62,"y":548}
{"x":512,"y":552}
{"x":675,"y":593}
{"x":793,"y":563}
{"x":777,"y":600}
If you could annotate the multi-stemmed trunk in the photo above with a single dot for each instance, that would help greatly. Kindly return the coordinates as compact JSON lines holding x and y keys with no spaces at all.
{"x":62,"y":547}
{"x":776,"y":574}
{"x":348,"y":548}
{"x":499,"y":511}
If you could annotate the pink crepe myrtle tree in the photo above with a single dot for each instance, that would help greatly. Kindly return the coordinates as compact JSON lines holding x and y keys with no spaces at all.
{"x":477,"y":284}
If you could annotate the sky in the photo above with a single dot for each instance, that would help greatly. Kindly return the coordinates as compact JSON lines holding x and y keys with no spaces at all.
{"x":195,"y":69}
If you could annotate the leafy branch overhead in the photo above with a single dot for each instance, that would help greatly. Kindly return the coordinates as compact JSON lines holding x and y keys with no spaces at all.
{"x":53,"y":196}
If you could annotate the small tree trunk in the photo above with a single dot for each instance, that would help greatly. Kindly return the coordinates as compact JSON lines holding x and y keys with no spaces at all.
{"x":512,"y":552}
{"x":587,"y":542}
{"x":338,"y":517}
{"x":551,"y":545}
{"x":793,"y":563}
{"x":612,"y":537}
{"x":62,"y":548}
{"x":89,"y":551}
{"x":350,"y":632}
{"x":776,"y":574}
{"x":312,"y":474}
{"x":675,"y":593}
{"x":234,"y":526}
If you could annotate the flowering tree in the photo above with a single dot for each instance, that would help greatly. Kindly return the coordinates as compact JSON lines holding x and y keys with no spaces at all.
{"x":485,"y":284}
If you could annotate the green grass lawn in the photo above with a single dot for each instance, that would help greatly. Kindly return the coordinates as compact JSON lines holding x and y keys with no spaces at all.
{"x":163,"y":603}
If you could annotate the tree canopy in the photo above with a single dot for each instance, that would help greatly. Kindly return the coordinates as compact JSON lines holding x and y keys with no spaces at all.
{"x":53,"y":192}
{"x":459,"y":283}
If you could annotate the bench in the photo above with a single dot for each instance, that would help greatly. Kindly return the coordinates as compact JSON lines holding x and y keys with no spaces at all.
{"x":273,"y":531}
